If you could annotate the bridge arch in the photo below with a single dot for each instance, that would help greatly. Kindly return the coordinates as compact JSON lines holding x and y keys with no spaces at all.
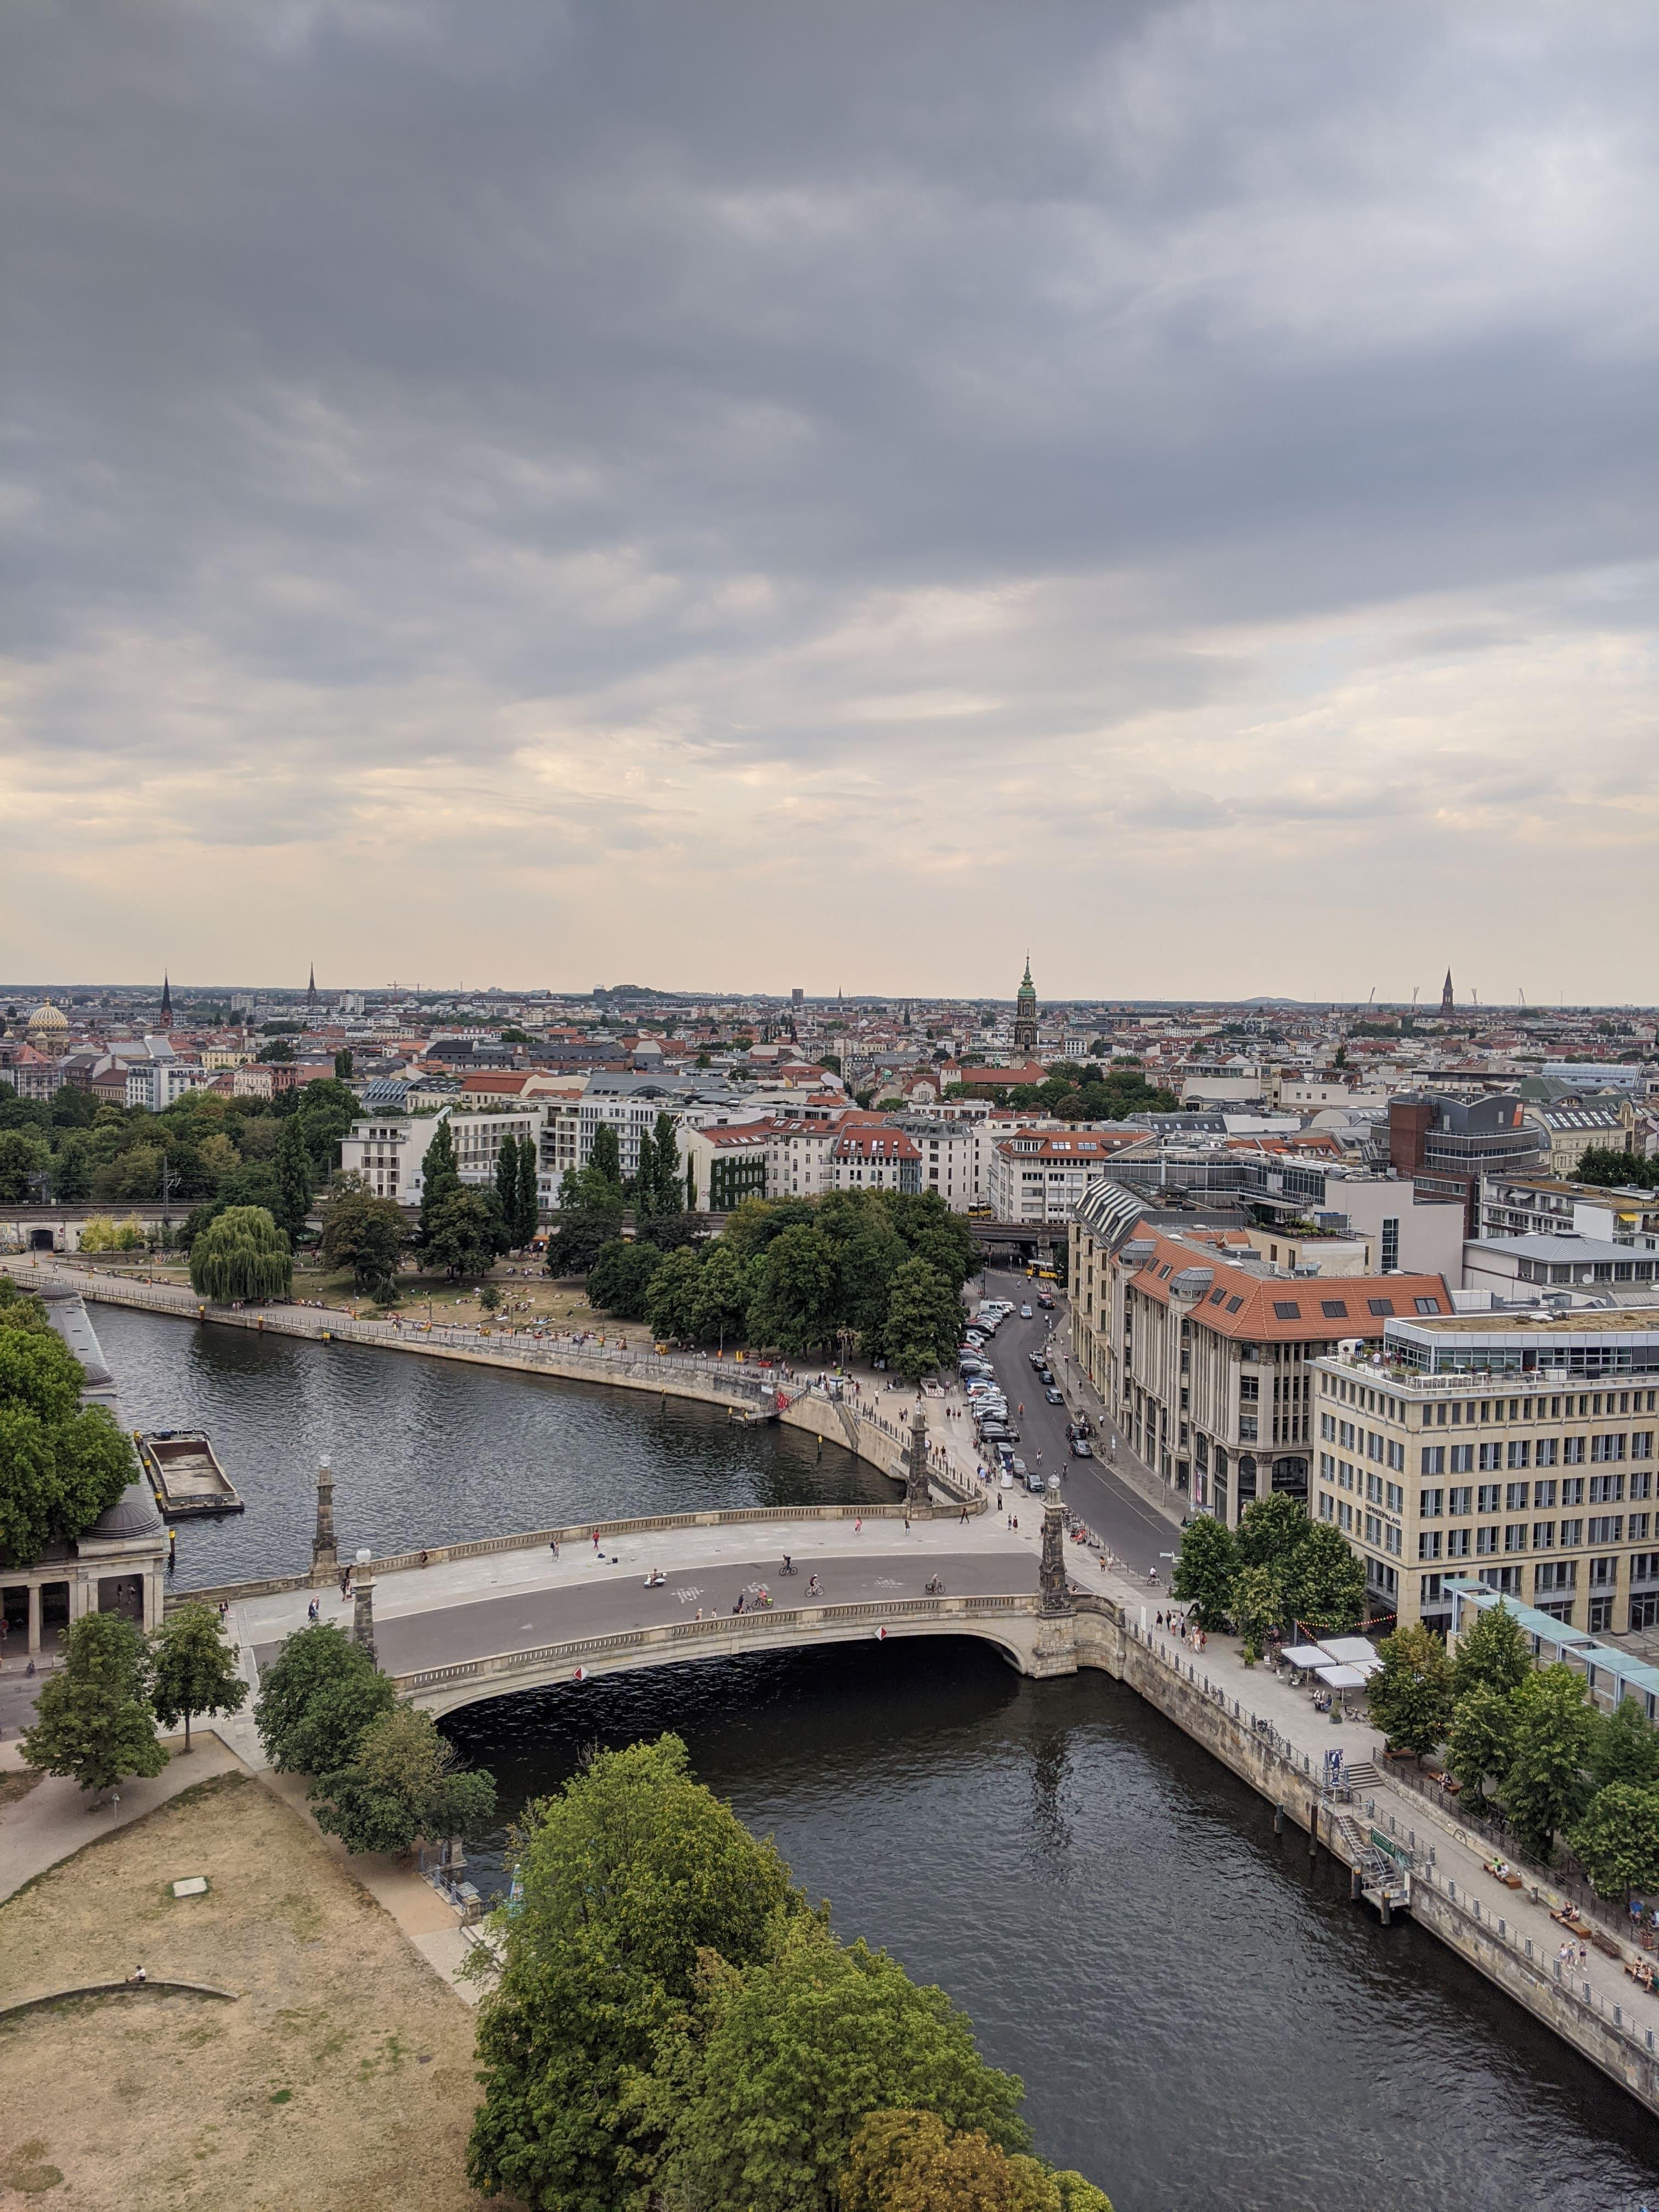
{"x":1010,"y":1625}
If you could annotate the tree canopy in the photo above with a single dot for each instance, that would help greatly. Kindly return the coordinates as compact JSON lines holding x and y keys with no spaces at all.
{"x":241,"y":1255}
{"x":60,"y":1466}
{"x":193,"y":1668}
{"x":93,"y":1720}
{"x":402,"y":1781}
{"x":1411,"y":1696}
{"x":366,"y":1234}
{"x":316,"y":1698}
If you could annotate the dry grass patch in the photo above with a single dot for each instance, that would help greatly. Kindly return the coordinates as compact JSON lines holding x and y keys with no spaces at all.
{"x":343,"y":2077}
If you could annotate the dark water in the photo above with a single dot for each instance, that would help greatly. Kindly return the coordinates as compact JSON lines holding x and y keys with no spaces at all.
{"x":429,"y":1451}
{"x":1202,"y":2022}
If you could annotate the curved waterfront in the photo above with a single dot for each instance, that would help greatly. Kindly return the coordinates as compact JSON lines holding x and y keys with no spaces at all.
{"x":1201,"y":2022}
{"x":429,"y":1451}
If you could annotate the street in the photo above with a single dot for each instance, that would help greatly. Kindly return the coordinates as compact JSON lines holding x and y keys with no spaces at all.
{"x":1136,"y":1531}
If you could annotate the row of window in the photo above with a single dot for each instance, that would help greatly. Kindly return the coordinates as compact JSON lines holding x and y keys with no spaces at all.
{"x":1540,"y":1451}
{"x":1516,"y":1497}
{"x":1546,"y":1536}
{"x":1480,"y":1412}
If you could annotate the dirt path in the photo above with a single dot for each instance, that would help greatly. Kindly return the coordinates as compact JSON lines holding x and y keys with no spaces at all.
{"x":341,"y":2077}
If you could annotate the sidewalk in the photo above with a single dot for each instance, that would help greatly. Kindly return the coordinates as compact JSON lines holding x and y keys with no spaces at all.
{"x":57,"y":1817}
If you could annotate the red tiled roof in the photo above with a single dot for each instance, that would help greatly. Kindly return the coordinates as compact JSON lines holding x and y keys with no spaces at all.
{"x":1243,"y":1304}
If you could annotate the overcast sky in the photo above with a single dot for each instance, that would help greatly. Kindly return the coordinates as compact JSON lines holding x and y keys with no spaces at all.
{"x":780,"y":494}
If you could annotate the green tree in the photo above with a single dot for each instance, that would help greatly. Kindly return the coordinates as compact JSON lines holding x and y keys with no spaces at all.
{"x":343,"y":1064}
{"x":1270,"y":1529}
{"x":72,"y":1179}
{"x":869,"y":1259}
{"x":366,"y":1234}
{"x":1627,"y":1748}
{"x":93,"y":1722}
{"x":1410,"y":1697}
{"x":1480,"y":1743}
{"x":316,"y":1698}
{"x":604,"y":1157}
{"x":924,"y":1320}
{"x":1257,"y":1605}
{"x":403,"y":1782}
{"x":590,"y":1217}
{"x":60,"y":1466}
{"x":629,"y":1873}
{"x":467,"y":1234}
{"x":1492,"y":1654}
{"x":241,"y":1253}
{"x":1324,"y":1582}
{"x":673,"y":1297}
{"x":325,"y":1110}
{"x":909,"y":2161}
{"x":619,"y":1281}
{"x":668,"y":1183}
{"x":723,"y":1293}
{"x":1204,"y":1571}
{"x":794,"y":1306}
{"x":645,"y":1179}
{"x":1617,"y":1841}
{"x":1611,"y":1169}
{"x":441,"y":1180}
{"x":23,"y":1158}
{"x":526,"y":1198}
{"x":796,"y":2054}
{"x":507,"y":1186}
{"x":193,"y":1669}
{"x":1546,"y":1789}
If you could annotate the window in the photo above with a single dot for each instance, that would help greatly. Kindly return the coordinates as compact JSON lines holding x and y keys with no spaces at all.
{"x":1433,"y":1460}
{"x":1431,"y":1504}
{"x":1327,"y":1427}
{"x":1233,"y":1305}
{"x":1516,"y":1498}
{"x":1556,"y":1575}
{"x":1390,"y":1243}
{"x":1514,"y":1537}
{"x":1334,"y":1308}
{"x":1605,"y":1448}
{"x":1373,"y":1529}
{"x":1573,"y":1451}
{"x":1549,"y":1450}
{"x":1636,"y":1528}
{"x":1463,"y":1459}
{"x":1428,"y":1305}
{"x":1381,"y":1307}
{"x":1373,"y":1489}
{"x":1327,"y":1506}
{"x":1457,"y":1543}
{"x":1345,"y":1515}
{"x":1641,"y":1447}
{"x":1644,"y":1567}
{"x":1460,"y":1498}
{"x":1641,"y":1484}
{"x":1428,"y":1543}
{"x":1520,"y":1453}
{"x":1603,"y":1573}
{"x":1491,"y":1457}
{"x":1572,"y":1490}
{"x":1396,"y":1456}
{"x":1543,"y":1535}
{"x":1487,"y":1498}
{"x":1606,"y":1529}
{"x":1394,"y":1540}
{"x":1486,"y":1541}
{"x":1217,"y":1294}
{"x":1572,"y":1535}
{"x":1283,"y":1309}
{"x":1393,"y":1498}
{"x":1606,"y":1489}
{"x":1327,"y":1467}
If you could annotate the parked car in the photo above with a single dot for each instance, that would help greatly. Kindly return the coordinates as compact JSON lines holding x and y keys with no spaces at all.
{"x":1037,"y":1359}
{"x":1046,"y":1376}
{"x":1054,"y":1397}
{"x":1082,"y":1448}
{"x":1018,"y":1469}
{"x":1036,"y":1485}
{"x":1083,"y":1427}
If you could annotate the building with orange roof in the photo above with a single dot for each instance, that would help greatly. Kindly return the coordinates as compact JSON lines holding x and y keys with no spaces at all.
{"x":1200,"y":1348}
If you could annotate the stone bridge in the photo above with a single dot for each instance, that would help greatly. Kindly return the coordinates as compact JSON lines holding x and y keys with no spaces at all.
{"x":462,"y":1622}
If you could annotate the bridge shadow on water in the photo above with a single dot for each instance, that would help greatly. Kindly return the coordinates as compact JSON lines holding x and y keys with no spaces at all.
{"x":1202,"y":2017}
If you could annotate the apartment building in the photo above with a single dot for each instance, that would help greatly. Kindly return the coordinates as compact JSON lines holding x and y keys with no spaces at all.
{"x":389,"y":1151}
{"x":879,"y":1158}
{"x":1039,"y":1175}
{"x":1520,"y":1267}
{"x":1201,"y":1351}
{"x":1516,"y":1450}
{"x":1549,"y":1205}
{"x":726,"y":1164}
{"x":1445,"y":1145}
{"x":950,"y":1153}
{"x":1567,"y":1132}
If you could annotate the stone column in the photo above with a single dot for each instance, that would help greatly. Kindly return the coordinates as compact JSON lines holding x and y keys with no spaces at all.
{"x":362,"y":1615}
{"x":35,"y":1620}
{"x":1056,"y":1596}
{"x":918,"y":1498}
{"x":324,"y":1559}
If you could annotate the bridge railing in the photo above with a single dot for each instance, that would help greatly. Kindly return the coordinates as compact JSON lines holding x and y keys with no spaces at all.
{"x":769,"y":1620}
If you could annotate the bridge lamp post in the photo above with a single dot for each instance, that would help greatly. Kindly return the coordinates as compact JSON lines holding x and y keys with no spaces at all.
{"x":362,"y":1615}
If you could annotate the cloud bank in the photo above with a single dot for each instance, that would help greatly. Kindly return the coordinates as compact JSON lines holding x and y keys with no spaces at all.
{"x":735,"y":494}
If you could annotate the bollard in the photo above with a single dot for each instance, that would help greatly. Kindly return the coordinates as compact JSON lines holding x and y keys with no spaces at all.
{"x":1353,"y":1885}
{"x":1279,"y":1820}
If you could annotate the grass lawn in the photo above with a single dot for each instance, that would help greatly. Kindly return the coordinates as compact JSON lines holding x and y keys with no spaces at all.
{"x":342,"y":2077}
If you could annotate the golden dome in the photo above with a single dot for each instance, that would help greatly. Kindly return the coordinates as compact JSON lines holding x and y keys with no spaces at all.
{"x":47,"y":1020}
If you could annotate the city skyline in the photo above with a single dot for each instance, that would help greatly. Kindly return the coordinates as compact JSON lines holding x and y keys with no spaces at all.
{"x":831,"y":491}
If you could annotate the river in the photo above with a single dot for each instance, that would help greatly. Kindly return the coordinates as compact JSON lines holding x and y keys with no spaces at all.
{"x":1202,"y":2020}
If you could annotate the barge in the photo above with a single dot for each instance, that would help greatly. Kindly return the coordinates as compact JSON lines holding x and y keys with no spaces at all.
{"x":184,"y":1473}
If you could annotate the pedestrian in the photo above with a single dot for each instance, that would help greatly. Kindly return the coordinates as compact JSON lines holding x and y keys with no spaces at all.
{"x":907,"y":1520}
{"x":553,"y":1545}
{"x":857,"y":1526}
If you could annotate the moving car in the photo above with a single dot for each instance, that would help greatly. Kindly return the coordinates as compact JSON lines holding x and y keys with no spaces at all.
{"x":1046,"y":1375}
{"x":1025,"y":1313}
{"x":1054,"y":1397}
{"x":1082,"y":1448}
{"x":1046,"y":1300}
{"x":1036,"y":1485}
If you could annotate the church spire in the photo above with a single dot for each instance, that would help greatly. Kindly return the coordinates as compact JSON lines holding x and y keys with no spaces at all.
{"x":167,"y":1001}
{"x":310,"y":991}
{"x":1447,"y":1001}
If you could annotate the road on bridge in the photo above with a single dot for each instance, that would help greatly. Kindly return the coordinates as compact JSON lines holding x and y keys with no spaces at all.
{"x":1137,"y":1532}
{"x":615,"y":1598}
